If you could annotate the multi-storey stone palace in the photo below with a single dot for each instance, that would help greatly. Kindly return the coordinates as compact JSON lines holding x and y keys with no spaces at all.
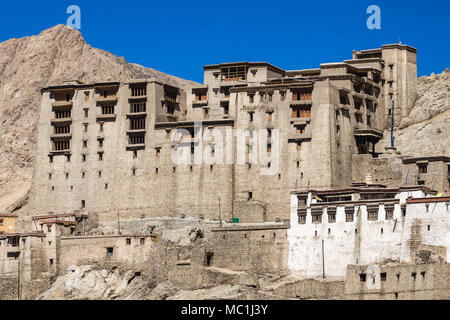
{"x":105,"y":155}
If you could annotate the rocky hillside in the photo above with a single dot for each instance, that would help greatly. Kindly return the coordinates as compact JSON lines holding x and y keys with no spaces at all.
{"x":426,"y":131}
{"x":93,"y":283}
{"x":28,"y":64}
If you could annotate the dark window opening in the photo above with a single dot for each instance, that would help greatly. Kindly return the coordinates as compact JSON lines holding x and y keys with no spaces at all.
{"x":109,"y":252}
{"x":209,"y":258}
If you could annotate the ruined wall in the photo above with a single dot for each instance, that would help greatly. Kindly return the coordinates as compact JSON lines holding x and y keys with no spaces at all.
{"x":134,"y":252}
{"x":398,"y":281}
{"x":387,"y":170}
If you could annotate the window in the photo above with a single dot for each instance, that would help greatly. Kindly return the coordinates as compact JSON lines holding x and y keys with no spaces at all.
{"x":269,"y":115}
{"x":343,"y":98}
{"x":316,"y":217}
{"x":250,"y":115}
{"x":209,"y":259}
{"x":136,"y":139}
{"x":413,"y":275}
{"x":362,"y":277}
{"x":133,"y":172}
{"x":171,"y":95}
{"x":251,"y":98}
{"x":63,"y":114}
{"x":250,"y":195}
{"x":1,"y":222}
{"x":225,"y":105}
{"x":372,"y":214}
{"x":137,"y":124}
{"x":139,"y":90}
{"x":262,"y":97}
{"x":83,"y":157}
{"x":137,"y":107}
{"x":61,"y":145}
{"x":383,"y":276}
{"x":423,"y":168}
{"x":233,"y":73}
{"x":83,"y":204}
{"x":109,"y":252}
{"x":301,"y":111}
{"x":299,"y":146}
{"x":13,"y":255}
{"x":158,"y":152}
{"x":302,"y":218}
{"x":86,"y":113}
{"x":301,"y":94}
{"x":128,"y":241}
{"x":200,"y":96}
{"x":108,"y":109}
{"x":389,"y":213}
{"x":86,"y":96}
{"x":331,"y":216}
{"x":349,"y":212}
{"x":142,"y":241}
{"x":300,"y":130}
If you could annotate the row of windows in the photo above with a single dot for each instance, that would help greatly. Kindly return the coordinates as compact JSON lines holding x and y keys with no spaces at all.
{"x":138,"y":107}
{"x":372,"y":215}
{"x":63,"y":114}
{"x":61,"y":129}
{"x":383,"y":276}
{"x":137,"y":91}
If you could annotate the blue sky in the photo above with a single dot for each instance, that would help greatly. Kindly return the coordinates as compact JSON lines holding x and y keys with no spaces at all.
{"x":179,"y":37}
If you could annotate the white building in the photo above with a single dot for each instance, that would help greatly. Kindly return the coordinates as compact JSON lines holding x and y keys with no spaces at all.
{"x":331,"y":229}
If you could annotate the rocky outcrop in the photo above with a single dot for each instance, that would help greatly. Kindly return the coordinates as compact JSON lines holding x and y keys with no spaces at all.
{"x":28,"y":64}
{"x":426,"y":131}
{"x":433,"y":98}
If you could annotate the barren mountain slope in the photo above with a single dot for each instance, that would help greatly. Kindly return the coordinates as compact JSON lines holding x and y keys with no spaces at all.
{"x":426,"y":131}
{"x":28,"y":64}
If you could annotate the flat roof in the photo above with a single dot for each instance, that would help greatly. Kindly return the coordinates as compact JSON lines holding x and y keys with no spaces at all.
{"x":244,"y":63}
{"x":8,"y":215}
{"x":351,"y":190}
{"x":429,"y":159}
{"x":427,"y":200}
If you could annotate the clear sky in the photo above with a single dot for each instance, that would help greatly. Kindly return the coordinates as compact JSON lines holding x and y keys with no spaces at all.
{"x":179,"y":37}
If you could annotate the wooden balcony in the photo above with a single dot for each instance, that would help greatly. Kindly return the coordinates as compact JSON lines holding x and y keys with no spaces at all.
{"x":106,"y":117}
{"x":61,"y":121}
{"x":61,"y":136}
